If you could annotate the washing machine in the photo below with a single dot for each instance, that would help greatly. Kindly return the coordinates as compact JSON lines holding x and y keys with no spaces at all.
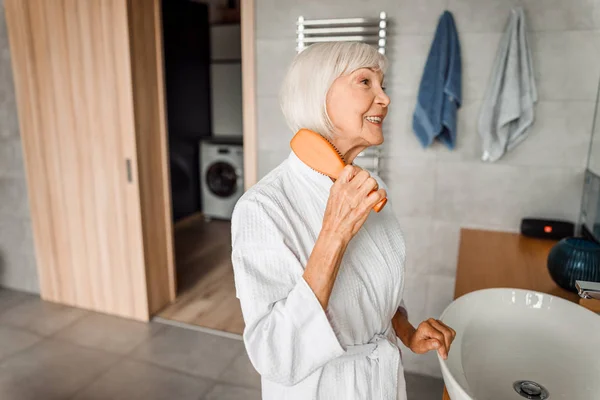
{"x":222,"y":176}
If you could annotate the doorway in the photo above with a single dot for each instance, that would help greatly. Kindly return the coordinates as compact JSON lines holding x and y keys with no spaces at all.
{"x":209,"y":85}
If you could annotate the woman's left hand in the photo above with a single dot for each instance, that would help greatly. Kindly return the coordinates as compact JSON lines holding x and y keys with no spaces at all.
{"x":431,"y":334}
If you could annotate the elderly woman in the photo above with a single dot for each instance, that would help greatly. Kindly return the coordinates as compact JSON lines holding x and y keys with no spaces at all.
{"x":319,"y":276}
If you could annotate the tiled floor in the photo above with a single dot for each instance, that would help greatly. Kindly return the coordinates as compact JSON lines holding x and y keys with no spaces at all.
{"x":52,"y":352}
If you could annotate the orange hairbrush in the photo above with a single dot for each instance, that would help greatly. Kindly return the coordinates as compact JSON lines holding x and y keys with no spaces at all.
{"x":319,"y":154}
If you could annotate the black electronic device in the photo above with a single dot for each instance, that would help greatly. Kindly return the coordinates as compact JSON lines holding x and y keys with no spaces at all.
{"x":547,"y":228}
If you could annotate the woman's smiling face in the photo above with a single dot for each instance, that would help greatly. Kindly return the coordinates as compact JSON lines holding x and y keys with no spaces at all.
{"x":357,"y":105}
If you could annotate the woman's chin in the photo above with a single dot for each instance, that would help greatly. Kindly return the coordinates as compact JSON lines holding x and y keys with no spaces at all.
{"x":376,"y":139}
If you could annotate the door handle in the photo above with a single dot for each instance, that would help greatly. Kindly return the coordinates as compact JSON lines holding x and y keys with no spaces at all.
{"x":128,"y":167}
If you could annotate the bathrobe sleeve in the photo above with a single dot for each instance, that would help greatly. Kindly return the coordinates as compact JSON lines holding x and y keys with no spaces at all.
{"x":288,"y":334}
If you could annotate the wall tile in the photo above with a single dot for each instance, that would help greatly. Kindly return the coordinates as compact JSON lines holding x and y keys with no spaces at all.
{"x":274,"y":56}
{"x":400,"y":139}
{"x":18,"y":269}
{"x":559,"y":15}
{"x":274,"y":134}
{"x":411,"y":183}
{"x":445,"y":238}
{"x":560,"y":136}
{"x":417,"y":237}
{"x":566,"y":64}
{"x":268,"y":160}
{"x":415,"y":297}
{"x":7,"y":156}
{"x":13,"y":192}
{"x":411,"y":362}
{"x":481,"y":15}
{"x":16,"y":234}
{"x":9,"y":121}
{"x":277,"y":19}
{"x":440,"y":294}
{"x":11,"y":158}
{"x":500,"y":196}
{"x":468,"y":142}
{"x":478,"y":53}
{"x":596,"y":15}
{"x":407,"y":56}
{"x":420,"y":16}
{"x":430,"y":365}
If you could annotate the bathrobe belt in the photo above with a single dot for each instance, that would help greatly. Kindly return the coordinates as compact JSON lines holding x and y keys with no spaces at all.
{"x":385,"y":358}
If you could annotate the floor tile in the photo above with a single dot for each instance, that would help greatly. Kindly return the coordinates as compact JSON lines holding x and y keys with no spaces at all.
{"x":421,"y":387}
{"x":40,"y":317}
{"x":228,"y":392}
{"x":13,"y":340}
{"x":241,"y":372}
{"x":12,"y":391}
{"x":189,"y":351}
{"x":10,"y":298}
{"x":113,"y":334}
{"x":133,"y":380}
{"x":53,"y":369}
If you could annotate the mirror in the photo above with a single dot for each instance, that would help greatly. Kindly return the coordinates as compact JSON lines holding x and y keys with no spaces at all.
{"x":590,"y":205}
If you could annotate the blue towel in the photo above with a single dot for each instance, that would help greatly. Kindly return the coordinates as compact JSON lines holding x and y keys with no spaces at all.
{"x":439,"y":95}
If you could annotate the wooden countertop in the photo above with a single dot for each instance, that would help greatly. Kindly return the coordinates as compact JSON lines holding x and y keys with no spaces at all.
{"x":489,"y":259}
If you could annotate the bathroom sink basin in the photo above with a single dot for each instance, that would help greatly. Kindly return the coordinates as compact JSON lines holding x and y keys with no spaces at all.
{"x":512,"y":340}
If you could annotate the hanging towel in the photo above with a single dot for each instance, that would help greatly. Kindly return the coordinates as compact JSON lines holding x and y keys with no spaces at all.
{"x":508,"y":107}
{"x":439,"y":95}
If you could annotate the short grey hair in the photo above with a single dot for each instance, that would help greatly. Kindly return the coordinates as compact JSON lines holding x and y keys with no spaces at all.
{"x":311,"y":74}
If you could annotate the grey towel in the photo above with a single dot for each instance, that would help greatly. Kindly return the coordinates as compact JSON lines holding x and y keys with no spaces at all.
{"x":507,"y":111}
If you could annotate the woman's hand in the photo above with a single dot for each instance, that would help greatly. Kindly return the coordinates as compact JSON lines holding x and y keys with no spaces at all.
{"x":432,"y":334}
{"x":350,"y":203}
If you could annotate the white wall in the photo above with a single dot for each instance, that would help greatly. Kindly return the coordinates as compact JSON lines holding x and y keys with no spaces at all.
{"x":17,"y":256}
{"x":435,"y":191}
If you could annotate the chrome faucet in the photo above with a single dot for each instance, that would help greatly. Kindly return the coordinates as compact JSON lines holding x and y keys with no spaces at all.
{"x":588,"y":290}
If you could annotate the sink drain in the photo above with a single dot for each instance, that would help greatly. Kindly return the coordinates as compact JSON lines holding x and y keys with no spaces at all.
{"x":531,"y":390}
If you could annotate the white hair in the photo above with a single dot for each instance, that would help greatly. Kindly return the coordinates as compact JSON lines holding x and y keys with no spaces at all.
{"x":308,"y":79}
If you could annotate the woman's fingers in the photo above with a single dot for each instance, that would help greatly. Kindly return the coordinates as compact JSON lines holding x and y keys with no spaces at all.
{"x":445,"y":330}
{"x":432,"y":344}
{"x":348,"y":173}
{"x":359,"y":179}
{"x":375,"y":197}
{"x":432,"y":332}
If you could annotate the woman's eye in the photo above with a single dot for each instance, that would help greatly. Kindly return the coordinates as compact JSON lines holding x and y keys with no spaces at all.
{"x":384,"y":88}
{"x":365,"y":81}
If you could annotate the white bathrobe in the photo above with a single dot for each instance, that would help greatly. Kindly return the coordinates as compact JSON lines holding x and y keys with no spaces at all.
{"x":302,"y":352}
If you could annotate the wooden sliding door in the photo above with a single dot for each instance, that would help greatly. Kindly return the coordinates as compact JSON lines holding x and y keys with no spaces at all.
{"x":73,"y":76}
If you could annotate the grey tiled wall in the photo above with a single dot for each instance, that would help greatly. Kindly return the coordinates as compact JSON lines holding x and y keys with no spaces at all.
{"x":17,"y":257}
{"x":435,"y":192}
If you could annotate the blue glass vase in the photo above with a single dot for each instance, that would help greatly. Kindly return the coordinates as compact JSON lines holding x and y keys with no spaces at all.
{"x":574,"y":259}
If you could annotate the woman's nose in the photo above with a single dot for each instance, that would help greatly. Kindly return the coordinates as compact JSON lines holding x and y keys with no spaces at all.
{"x":382,"y":98}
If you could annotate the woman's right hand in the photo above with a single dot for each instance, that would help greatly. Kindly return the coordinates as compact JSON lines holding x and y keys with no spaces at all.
{"x":350,"y":202}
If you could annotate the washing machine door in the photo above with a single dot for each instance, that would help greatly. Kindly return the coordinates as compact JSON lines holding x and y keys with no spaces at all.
{"x":221,"y":179}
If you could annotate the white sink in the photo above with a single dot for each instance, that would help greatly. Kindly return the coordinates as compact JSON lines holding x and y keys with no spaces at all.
{"x":504,"y":336}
